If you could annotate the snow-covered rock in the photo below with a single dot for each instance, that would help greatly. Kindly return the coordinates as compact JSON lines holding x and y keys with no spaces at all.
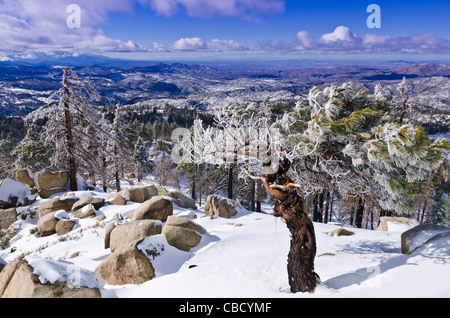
{"x":126,"y":265}
{"x":220,"y":206}
{"x":49,"y":183}
{"x":158,"y":208}
{"x":244,"y":256}
{"x":396,"y":224}
{"x":35,"y":277}
{"x":182,"y":232}
{"x":419,"y":235}
{"x":14,"y":193}
{"x":129,"y":232}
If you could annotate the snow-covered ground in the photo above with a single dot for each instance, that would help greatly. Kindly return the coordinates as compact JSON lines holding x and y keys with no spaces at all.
{"x":244,"y":257}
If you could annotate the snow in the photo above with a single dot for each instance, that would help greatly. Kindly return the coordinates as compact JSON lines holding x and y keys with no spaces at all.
{"x":420,"y":238}
{"x":168,"y":260}
{"x":11,"y":188}
{"x":61,"y":215}
{"x":395,"y":226}
{"x":244,"y":256}
{"x":51,"y":271}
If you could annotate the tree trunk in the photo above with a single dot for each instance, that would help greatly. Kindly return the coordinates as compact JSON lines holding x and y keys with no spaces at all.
{"x":318,"y":202}
{"x":359,"y":210}
{"x":71,"y":162}
{"x":327,"y":204}
{"x":259,"y":195}
{"x":252,"y":195}
{"x":116,"y":169}
{"x":193,"y":188}
{"x":230,"y":182}
{"x":104,"y":176}
{"x":116,"y":176}
{"x":302,"y":277}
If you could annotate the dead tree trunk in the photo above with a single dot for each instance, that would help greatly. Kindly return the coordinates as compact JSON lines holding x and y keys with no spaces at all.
{"x":71,"y":161}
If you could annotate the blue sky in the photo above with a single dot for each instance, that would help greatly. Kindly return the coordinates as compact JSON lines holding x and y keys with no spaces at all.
{"x":227,"y":28}
{"x":399,"y":18}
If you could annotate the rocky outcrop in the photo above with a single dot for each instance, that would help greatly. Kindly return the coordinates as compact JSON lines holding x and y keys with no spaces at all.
{"x":64,"y":226}
{"x":128,"y":233}
{"x":49,"y":183}
{"x":157,"y":208}
{"x":27,"y":177}
{"x":182,"y":233}
{"x":14,"y":193}
{"x":47,"y":224}
{"x":127,"y":265}
{"x":117,"y":199}
{"x":385,"y":220}
{"x":178,"y":198}
{"x":85,"y":211}
{"x":219,"y":206}
{"x":109,"y":228}
{"x":7,"y":217}
{"x":139,"y":194}
{"x":56,"y":204}
{"x":97,"y":202}
{"x":19,"y":280}
{"x":341,"y":232}
{"x":421,"y":234}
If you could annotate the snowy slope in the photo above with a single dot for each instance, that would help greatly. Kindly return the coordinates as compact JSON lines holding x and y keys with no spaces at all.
{"x":245,"y":256}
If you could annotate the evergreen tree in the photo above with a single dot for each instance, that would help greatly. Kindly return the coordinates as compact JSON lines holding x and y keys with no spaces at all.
{"x":342,"y":140}
{"x":140,"y":158}
{"x":117,"y":145}
{"x":33,"y":152}
{"x":73,"y":113}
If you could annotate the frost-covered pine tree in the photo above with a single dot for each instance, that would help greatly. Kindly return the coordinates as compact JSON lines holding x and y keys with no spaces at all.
{"x":67,"y":128}
{"x":140,"y":158}
{"x":341,"y":140}
{"x":33,"y":152}
{"x":118,"y":154}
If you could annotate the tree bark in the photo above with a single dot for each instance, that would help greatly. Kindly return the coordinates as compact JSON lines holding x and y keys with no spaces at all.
{"x":252,"y":195}
{"x":318,"y":204}
{"x":302,"y":277}
{"x":359,"y":211}
{"x":71,"y":162}
{"x":230,"y":182}
{"x":104,"y":176}
{"x":327,"y":205}
{"x":116,"y":169}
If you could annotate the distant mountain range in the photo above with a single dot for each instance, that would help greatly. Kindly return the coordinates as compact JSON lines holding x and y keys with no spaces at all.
{"x":24,"y":87}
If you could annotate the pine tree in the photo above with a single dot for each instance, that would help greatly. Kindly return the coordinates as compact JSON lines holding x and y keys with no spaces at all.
{"x":73,"y":113}
{"x":33,"y":152}
{"x":341,"y":140}
{"x":117,"y":145}
{"x":140,"y":158}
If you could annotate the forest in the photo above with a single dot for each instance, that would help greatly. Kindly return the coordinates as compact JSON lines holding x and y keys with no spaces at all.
{"x":121,"y":142}
{"x":339,"y":154}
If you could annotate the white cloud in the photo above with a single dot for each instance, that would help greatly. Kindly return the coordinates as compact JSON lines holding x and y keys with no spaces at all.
{"x":341,"y":33}
{"x":343,"y":40}
{"x":198,"y":44}
{"x":188,"y":44}
{"x":31,"y":28}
